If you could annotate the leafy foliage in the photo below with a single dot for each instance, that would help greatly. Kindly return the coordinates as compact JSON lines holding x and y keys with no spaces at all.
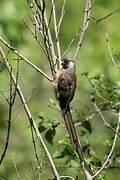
{"x":107,"y":96}
{"x":49,"y":126}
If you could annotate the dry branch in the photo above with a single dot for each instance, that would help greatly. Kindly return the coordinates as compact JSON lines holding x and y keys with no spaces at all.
{"x":10,"y":101}
{"x":61,"y":16}
{"x":107,"y":16}
{"x":84,"y":26}
{"x":117,"y":65}
{"x":45,"y":27}
{"x":97,"y":109}
{"x":25,"y":59}
{"x":56,"y":34}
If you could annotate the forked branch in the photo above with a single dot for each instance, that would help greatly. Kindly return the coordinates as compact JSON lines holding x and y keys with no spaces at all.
{"x":25,"y":59}
{"x":85,"y":24}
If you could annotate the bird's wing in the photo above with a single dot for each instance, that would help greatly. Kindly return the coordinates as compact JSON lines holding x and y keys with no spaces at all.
{"x":66,"y":87}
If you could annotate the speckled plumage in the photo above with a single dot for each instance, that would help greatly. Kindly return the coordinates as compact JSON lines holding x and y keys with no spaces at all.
{"x":65,"y":84}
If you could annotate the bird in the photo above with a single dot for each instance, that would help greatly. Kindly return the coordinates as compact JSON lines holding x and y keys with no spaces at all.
{"x":65,"y":84}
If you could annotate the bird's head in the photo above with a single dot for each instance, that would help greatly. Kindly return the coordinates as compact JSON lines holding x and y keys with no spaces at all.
{"x":68,"y":63}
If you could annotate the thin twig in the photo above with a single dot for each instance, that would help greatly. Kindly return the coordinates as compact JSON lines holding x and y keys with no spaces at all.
{"x":56,"y":35}
{"x":25,"y":59}
{"x":37,"y":22}
{"x":35,"y":148}
{"x":20,"y":109}
{"x":87,"y":119}
{"x":71,"y":42}
{"x":84,"y":27}
{"x":47,"y":36}
{"x":106,"y":16}
{"x":31,"y":119}
{"x":45,"y":24}
{"x":112,"y":148}
{"x":104,"y":120}
{"x":61,"y":16}
{"x":18,"y":175}
{"x":35,"y":37}
{"x":50,"y":17}
{"x":2,"y":93}
{"x":110,"y":52}
{"x":10,"y":103}
{"x":92,"y":4}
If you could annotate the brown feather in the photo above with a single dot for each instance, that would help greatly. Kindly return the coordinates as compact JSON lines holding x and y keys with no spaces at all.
{"x":65,"y":85}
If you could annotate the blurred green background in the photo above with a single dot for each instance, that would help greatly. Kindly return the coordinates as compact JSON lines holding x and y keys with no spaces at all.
{"x":93,"y":58}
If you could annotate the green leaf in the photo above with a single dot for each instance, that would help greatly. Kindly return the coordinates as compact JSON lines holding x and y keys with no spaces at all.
{"x":59,"y":154}
{"x":49,"y":135}
{"x":87,"y":126}
{"x":96,"y":162}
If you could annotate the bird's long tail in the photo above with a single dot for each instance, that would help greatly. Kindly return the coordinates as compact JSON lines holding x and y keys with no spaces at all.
{"x":74,"y":137}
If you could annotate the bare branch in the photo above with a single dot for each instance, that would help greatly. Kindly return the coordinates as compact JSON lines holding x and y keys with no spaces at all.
{"x":10,"y":103}
{"x":92,"y":4}
{"x":35,"y":148}
{"x":84,"y":27}
{"x":2,"y":93}
{"x":107,"y":16}
{"x":18,"y":175}
{"x":56,"y":34}
{"x":87,"y":119}
{"x":61,"y":16}
{"x":97,"y":109}
{"x":50,"y":17}
{"x":36,"y":16}
{"x":71,"y":42}
{"x":31,"y":119}
{"x":112,"y":148}
{"x":110,"y":52}
{"x":47,"y":32}
{"x":20,"y":109}
{"x":35,"y":37}
{"x":25,"y":59}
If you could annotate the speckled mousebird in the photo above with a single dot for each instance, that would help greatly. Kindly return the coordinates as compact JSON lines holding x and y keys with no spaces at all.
{"x":65,"y":83}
